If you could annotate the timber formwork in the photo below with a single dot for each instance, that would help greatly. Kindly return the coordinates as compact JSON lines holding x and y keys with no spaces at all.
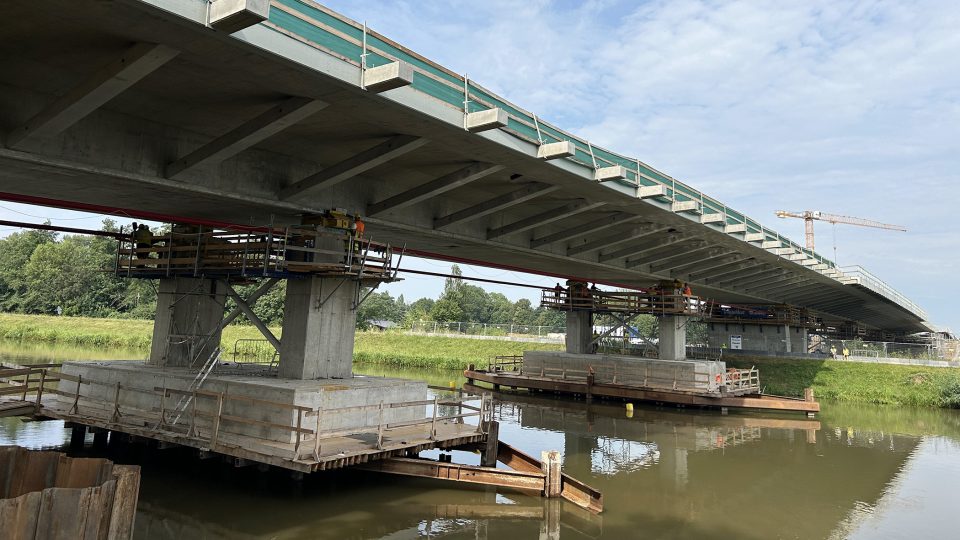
{"x":627,"y":303}
{"x":42,"y":393}
{"x":509,"y":372}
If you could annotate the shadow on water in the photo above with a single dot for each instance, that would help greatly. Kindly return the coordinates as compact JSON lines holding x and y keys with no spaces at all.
{"x":664,"y":472}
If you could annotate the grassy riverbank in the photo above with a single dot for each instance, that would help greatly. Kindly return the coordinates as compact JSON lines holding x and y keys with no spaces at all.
{"x":842,"y":381}
{"x":382,"y":348}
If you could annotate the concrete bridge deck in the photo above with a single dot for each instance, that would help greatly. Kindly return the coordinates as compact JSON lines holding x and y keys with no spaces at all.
{"x":144,"y":107}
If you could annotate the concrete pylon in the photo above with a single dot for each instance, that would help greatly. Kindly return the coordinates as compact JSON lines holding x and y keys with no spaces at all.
{"x":186,"y":328}
{"x":319,"y":323}
{"x":673,"y":337}
{"x":579,"y":332}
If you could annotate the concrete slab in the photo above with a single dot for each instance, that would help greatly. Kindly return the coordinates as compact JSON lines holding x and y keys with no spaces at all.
{"x":681,"y":375}
{"x":139,"y":384}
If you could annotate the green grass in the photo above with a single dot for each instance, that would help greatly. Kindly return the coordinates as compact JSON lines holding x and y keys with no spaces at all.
{"x":841,"y":381}
{"x":880,"y":384}
{"x":382,"y":348}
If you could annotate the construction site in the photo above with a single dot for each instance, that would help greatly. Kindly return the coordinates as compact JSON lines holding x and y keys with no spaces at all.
{"x":282,"y":142}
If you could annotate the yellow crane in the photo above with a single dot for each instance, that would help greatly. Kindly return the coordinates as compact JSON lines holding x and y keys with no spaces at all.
{"x":809,"y":215}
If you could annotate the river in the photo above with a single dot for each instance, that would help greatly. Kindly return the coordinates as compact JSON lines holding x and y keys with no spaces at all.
{"x":855,"y":472}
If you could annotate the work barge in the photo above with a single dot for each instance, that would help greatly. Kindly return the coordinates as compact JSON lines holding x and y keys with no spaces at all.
{"x":300,"y":408}
{"x":658,"y":372}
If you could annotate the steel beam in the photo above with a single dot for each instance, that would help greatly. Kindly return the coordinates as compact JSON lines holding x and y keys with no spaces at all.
{"x":544,"y":218}
{"x":433,"y":188}
{"x":496,"y":204}
{"x":590,"y":227}
{"x":250,"y":133}
{"x":136,"y":63}
{"x":392,"y":148}
{"x":251,"y":316}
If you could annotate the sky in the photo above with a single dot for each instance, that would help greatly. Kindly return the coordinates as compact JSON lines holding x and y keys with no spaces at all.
{"x":847,"y":107}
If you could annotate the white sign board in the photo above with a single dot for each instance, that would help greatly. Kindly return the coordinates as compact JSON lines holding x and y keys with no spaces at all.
{"x":736,"y":342}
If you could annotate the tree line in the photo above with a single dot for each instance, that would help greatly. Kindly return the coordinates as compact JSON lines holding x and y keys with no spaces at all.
{"x":43,"y":272}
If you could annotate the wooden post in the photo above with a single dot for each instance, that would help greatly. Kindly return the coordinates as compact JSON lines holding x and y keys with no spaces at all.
{"x":489,"y":456}
{"x":296,"y":446}
{"x":76,"y":398}
{"x":380,"y":429}
{"x":193,"y":416}
{"x":808,"y":394}
{"x":43,"y":376}
{"x":433,"y":423}
{"x":116,"y":405}
{"x":590,"y":379}
{"x":316,"y":440}
{"x":550,"y":464}
{"x":216,"y":422}
{"x":26,"y":384}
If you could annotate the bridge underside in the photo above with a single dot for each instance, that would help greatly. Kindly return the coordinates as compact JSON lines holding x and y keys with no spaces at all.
{"x":262,"y":127}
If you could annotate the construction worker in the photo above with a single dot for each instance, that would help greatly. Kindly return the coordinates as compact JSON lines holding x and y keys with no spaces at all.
{"x":144,"y":237}
{"x":833,"y":351}
{"x":360,"y":226}
{"x":557,"y":291}
{"x":846,"y":353}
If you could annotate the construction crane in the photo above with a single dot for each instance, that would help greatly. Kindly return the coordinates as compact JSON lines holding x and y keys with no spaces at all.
{"x":809,"y":215}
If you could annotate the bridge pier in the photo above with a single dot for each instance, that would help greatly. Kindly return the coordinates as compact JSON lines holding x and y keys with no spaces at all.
{"x":186,"y":327}
{"x":319,"y":323}
{"x":758,"y":338}
{"x":673,"y":337}
{"x":579,"y":331}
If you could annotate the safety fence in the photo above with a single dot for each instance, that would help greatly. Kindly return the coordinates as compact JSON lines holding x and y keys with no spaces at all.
{"x":198,"y":417}
{"x":626,"y":302}
{"x":486,"y":329}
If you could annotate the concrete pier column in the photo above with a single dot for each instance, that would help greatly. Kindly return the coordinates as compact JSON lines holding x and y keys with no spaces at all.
{"x":185,"y":328}
{"x":673,"y":337}
{"x":579,"y":332}
{"x":787,"y":339}
{"x":319,"y":324}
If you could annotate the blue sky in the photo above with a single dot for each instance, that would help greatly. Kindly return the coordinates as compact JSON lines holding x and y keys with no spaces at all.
{"x":845,"y":107}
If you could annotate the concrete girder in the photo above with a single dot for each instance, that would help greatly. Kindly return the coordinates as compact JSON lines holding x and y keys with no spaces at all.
{"x":618,"y":218}
{"x":433,"y":188}
{"x":731,"y":257}
{"x":136,"y":63}
{"x":768,"y":281}
{"x":680,"y":259}
{"x":636,"y":232}
{"x":739,"y":276}
{"x":250,"y":133}
{"x":234,"y":15}
{"x":653,"y":254}
{"x":392,"y":148}
{"x":522,"y":195}
{"x":740,"y":272}
{"x":722,"y":268}
{"x":544,"y":218}
{"x":796,"y":283}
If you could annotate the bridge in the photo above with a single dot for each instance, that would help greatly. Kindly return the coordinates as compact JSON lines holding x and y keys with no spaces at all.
{"x":257,"y":112}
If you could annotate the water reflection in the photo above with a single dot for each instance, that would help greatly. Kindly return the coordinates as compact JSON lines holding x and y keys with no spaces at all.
{"x":858,"y":471}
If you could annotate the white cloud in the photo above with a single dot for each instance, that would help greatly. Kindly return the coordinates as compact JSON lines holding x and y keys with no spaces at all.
{"x":847,"y":107}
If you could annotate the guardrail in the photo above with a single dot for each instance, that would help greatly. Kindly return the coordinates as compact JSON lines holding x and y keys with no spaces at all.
{"x":204,"y":425}
{"x":352,"y":42}
{"x":862,"y":277}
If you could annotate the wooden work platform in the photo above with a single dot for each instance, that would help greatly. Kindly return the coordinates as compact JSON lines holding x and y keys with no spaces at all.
{"x":620,"y":391}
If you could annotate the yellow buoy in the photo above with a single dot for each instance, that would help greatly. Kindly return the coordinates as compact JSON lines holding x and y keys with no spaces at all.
{"x":629,"y":413}
{"x":453,"y":384}
{"x":629,"y":407}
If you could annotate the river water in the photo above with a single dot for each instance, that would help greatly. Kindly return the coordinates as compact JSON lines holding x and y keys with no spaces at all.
{"x":854,"y":472}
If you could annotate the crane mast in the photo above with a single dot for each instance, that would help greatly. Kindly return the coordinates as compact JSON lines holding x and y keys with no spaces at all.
{"x":809,"y":215}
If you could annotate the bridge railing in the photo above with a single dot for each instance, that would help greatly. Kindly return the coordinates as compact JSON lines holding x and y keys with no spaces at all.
{"x":864,"y":278}
{"x":324,"y":29}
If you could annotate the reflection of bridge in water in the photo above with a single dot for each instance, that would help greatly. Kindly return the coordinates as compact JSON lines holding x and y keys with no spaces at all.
{"x":684,"y":468}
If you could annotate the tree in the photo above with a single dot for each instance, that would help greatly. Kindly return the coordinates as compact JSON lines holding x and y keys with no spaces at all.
{"x":379,"y":307}
{"x":15,"y":253}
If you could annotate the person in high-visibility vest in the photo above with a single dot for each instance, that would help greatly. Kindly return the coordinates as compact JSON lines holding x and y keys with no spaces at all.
{"x":846,"y":353}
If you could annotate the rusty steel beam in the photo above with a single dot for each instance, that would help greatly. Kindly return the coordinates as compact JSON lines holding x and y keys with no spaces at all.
{"x":426,"y":468}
